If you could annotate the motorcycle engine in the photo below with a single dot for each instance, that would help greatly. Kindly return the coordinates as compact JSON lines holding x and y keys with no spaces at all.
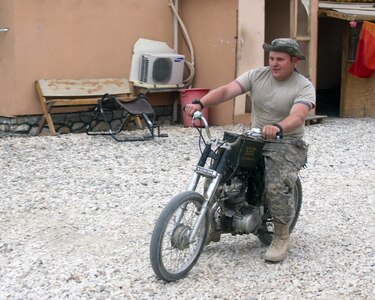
{"x":245,"y":217}
{"x":247,"y":222}
{"x":234,"y":191}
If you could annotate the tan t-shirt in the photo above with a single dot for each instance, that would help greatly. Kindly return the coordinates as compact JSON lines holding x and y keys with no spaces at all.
{"x":272,"y":100}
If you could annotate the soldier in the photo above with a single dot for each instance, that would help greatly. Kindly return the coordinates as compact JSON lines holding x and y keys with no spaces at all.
{"x":281,"y":99}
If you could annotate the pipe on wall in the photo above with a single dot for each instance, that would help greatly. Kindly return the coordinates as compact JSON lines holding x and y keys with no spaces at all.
{"x":190,"y":65}
{"x":175,"y":29}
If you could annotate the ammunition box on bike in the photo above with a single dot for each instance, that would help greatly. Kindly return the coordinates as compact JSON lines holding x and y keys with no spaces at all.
{"x":246,"y":151}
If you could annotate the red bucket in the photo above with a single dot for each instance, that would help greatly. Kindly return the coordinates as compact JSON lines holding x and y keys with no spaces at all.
{"x":186,"y":97}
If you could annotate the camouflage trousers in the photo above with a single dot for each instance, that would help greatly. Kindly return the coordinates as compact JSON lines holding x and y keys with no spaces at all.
{"x":283,"y":160}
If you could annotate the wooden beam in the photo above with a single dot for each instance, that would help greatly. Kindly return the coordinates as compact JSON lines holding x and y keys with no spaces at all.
{"x":345,"y":16}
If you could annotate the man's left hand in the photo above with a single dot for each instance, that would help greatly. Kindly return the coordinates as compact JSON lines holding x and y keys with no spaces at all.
{"x":270,"y":132}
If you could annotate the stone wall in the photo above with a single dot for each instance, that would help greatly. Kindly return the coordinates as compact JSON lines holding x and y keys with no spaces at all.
{"x":72,"y":122}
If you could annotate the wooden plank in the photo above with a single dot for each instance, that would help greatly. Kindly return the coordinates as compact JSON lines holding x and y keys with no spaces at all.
{"x":345,"y":16}
{"x":82,"y":101}
{"x":354,"y":6}
{"x":83,"y":87}
{"x":46,"y":115}
{"x":367,"y":12}
{"x":317,"y":119}
{"x":313,"y":50}
{"x":293,"y":18}
{"x":344,"y":73}
{"x":358,"y":96}
{"x":73,"y":102}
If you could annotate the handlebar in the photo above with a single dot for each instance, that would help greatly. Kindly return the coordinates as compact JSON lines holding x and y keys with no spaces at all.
{"x":199,"y":116}
{"x":253,"y":132}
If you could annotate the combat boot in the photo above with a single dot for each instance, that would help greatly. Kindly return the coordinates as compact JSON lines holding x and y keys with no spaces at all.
{"x":280,"y":245}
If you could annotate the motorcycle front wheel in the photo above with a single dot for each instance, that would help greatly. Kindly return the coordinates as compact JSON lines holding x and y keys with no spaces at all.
{"x":172,"y":254}
{"x":265,"y":234}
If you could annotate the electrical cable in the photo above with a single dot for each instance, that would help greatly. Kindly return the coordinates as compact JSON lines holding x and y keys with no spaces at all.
{"x":190,"y":65}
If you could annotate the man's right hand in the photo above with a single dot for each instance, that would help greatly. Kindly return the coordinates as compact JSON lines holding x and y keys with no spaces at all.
{"x":190,"y":109}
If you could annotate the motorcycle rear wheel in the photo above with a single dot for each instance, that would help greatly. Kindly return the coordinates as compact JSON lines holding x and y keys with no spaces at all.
{"x":265,"y":235}
{"x":172,"y":255}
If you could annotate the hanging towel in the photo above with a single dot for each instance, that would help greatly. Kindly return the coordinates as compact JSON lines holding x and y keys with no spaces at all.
{"x":364,"y":64}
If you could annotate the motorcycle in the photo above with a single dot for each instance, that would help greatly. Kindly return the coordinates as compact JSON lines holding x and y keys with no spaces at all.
{"x":228,"y":201}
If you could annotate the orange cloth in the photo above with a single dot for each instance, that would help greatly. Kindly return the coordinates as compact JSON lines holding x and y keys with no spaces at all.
{"x":364,"y":64}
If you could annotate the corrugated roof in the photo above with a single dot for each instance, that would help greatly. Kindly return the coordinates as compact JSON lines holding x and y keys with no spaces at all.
{"x":347,"y":11}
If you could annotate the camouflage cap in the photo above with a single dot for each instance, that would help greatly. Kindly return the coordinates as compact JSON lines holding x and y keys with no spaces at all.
{"x":285,"y":45}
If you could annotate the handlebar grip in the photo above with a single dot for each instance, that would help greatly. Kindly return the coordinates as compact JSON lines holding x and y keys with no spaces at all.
{"x":280,"y":134}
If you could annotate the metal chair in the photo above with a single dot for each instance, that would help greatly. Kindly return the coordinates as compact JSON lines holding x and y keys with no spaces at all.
{"x":137,"y":110}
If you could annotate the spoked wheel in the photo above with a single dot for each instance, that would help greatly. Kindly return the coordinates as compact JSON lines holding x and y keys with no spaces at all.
{"x":172,"y":253}
{"x":265,"y":234}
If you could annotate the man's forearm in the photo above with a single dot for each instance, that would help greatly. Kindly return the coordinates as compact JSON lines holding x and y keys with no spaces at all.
{"x":296,"y":118}
{"x":221,"y":94}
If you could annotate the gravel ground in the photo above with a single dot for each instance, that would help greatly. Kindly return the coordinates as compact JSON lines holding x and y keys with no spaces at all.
{"x":77,"y":212}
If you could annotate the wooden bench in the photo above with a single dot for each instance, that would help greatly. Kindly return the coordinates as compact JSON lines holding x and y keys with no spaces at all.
{"x":54,"y":93}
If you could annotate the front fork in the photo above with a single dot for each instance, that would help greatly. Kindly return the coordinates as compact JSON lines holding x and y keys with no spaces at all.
{"x":215,"y":176}
{"x":202,"y":212}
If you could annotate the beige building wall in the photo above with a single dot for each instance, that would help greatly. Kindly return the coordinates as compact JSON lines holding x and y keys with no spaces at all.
{"x":94,"y":38}
{"x":71,"y":39}
{"x":250,"y":41}
{"x":7,"y":59}
{"x":212,"y":25}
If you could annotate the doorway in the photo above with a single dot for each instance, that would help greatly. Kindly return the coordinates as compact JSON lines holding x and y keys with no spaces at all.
{"x":329,"y":62}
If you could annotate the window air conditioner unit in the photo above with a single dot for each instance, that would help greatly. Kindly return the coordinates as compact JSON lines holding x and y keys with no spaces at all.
{"x":161,"y":68}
